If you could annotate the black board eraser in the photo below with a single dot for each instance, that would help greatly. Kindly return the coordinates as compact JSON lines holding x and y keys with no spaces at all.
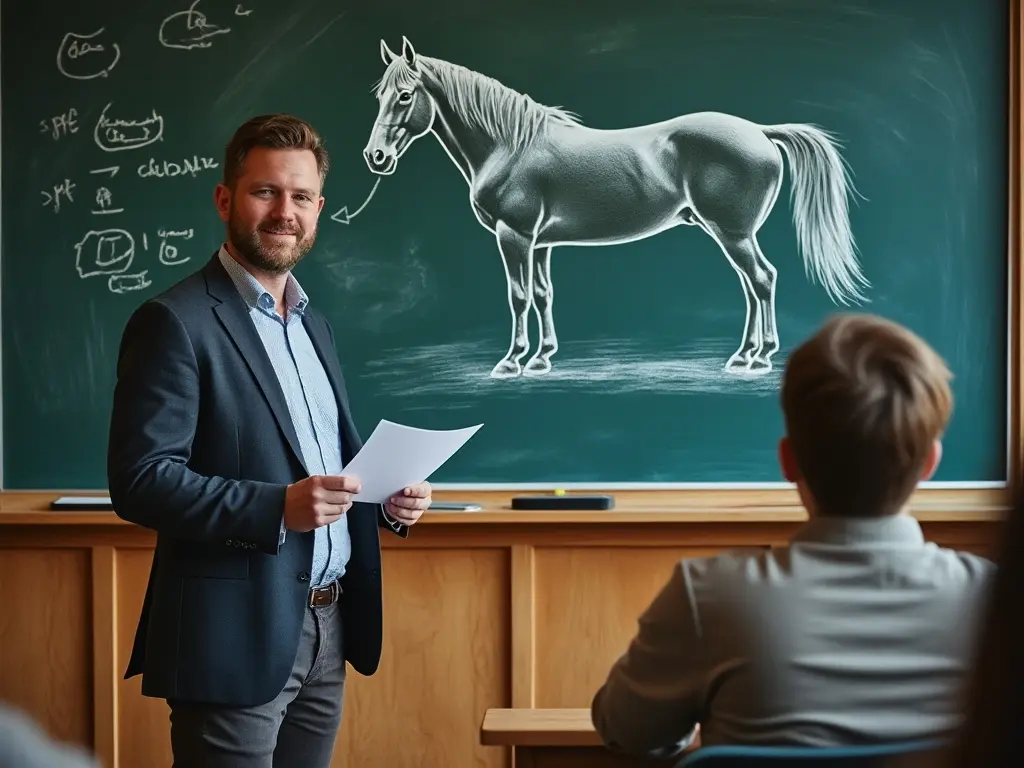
{"x":568,"y":501}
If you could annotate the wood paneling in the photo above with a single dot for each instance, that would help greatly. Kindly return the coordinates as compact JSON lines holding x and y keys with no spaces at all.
{"x":143,"y":722}
{"x":445,"y":661}
{"x":45,"y":638}
{"x":600,"y":591}
{"x":482,"y":610}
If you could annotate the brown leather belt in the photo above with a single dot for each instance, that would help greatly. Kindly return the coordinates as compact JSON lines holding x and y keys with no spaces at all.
{"x":326,"y":595}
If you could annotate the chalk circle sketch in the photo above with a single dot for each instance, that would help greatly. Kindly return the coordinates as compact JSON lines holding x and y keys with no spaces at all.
{"x":104,"y":252}
{"x":115,"y":134}
{"x":84,"y":57}
{"x":168,"y":254}
{"x":189,"y":29}
{"x":539,"y":178}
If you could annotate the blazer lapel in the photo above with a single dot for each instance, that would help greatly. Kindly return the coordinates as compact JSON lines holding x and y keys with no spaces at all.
{"x":317,"y":331}
{"x":234,"y":315}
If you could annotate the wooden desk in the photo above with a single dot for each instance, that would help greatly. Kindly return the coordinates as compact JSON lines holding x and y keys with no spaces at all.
{"x":556,"y":738}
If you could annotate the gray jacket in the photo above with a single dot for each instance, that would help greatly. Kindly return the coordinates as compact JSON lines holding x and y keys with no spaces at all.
{"x":858,"y":631}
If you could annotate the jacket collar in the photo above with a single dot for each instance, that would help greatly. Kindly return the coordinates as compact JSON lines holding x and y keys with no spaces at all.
{"x":891,"y":529}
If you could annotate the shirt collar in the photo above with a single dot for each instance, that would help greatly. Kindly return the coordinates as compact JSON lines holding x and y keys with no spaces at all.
{"x":254,"y":294}
{"x":890,"y":529}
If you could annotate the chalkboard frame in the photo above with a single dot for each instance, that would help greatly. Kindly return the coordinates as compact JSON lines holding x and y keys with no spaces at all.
{"x":955,"y":498}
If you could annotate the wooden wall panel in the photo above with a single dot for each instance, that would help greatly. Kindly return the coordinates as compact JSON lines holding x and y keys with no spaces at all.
{"x":445,"y":661}
{"x":143,"y":724}
{"x":588,"y":601}
{"x":45,"y":643}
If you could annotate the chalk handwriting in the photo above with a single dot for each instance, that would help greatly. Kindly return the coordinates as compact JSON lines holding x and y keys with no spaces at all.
{"x":190,"y":166}
{"x":104,"y":201}
{"x":62,"y":190}
{"x":127,"y":283}
{"x":104,"y":198}
{"x":84,"y":57}
{"x":168,"y":254}
{"x":60,"y":125}
{"x":189,"y":29}
{"x":104,"y":252}
{"x":115,"y":135}
{"x":239,"y":11}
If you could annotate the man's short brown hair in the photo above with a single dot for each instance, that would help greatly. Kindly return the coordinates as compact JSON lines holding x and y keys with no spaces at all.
{"x":864,"y":399}
{"x":274,"y":132}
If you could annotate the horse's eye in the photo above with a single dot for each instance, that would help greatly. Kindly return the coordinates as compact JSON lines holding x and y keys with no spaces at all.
{"x":404,"y":97}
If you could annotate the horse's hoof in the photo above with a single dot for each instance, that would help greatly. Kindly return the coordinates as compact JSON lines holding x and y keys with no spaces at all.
{"x":737,"y":364}
{"x":760,"y":365}
{"x":537,"y":367}
{"x":506,"y":369}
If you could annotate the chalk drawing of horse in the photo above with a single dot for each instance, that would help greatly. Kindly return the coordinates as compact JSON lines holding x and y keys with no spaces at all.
{"x":538,"y":178}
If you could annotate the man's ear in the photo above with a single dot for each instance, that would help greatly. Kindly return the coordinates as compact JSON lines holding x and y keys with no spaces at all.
{"x":787,"y":461}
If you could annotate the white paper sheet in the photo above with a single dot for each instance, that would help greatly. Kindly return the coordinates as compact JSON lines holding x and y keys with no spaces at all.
{"x":396,"y":456}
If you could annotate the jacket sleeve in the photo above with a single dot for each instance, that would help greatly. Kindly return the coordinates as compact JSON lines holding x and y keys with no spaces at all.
{"x":651,"y":702}
{"x":155,"y":408}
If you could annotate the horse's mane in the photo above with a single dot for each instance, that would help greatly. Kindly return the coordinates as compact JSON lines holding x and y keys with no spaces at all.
{"x":480,"y":101}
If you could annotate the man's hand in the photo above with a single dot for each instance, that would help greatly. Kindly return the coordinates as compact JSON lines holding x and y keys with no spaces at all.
{"x":317,"y":501}
{"x":407,"y":507}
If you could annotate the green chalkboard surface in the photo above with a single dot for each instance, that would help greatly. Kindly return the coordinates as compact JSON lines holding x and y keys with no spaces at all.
{"x":638,"y":173}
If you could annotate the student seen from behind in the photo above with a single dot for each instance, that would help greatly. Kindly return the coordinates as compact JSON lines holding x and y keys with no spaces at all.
{"x":857,"y":631}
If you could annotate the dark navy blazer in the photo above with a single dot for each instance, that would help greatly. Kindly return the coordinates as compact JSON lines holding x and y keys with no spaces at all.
{"x":201,"y":450}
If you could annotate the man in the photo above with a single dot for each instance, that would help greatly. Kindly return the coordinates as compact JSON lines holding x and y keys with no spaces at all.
{"x":229,"y":433}
{"x":858,"y":631}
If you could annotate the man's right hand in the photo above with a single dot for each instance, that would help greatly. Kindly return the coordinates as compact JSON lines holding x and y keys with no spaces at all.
{"x":317,"y":501}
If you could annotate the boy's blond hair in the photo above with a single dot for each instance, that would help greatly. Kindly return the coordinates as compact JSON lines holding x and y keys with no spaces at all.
{"x":864,"y":399}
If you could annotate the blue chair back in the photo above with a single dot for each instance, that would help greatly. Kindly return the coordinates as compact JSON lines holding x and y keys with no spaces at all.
{"x":869,"y":756}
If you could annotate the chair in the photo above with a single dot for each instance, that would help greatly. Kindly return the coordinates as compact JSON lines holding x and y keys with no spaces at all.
{"x":868,"y":756}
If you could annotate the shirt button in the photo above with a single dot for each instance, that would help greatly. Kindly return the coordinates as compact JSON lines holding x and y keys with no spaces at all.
{"x":303,"y":576}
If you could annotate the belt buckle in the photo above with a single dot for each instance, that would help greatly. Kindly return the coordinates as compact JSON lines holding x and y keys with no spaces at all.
{"x":323,"y":596}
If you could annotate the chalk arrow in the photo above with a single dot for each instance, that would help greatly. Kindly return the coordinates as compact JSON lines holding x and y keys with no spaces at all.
{"x":344,"y":217}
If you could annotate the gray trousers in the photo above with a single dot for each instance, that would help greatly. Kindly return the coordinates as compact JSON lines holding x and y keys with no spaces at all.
{"x":295,"y":730}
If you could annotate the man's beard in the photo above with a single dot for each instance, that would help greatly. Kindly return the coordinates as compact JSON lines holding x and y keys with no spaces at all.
{"x":270,"y":258}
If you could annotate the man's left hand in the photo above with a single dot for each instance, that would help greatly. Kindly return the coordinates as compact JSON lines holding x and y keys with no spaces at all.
{"x":407,"y":507}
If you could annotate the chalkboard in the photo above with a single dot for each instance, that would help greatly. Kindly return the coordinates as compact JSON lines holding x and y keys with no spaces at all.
{"x":116,"y":113}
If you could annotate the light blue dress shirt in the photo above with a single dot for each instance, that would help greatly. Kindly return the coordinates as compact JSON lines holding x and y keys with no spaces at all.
{"x":310,"y":398}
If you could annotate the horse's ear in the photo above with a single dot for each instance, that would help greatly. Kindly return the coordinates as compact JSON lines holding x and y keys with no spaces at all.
{"x":386,"y":53}
{"x":408,"y":52}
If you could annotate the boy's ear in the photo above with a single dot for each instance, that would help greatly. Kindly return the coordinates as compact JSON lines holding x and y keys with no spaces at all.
{"x":931,"y":462}
{"x":787,"y":461}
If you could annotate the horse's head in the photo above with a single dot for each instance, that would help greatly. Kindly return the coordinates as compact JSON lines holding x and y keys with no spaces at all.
{"x":406,"y":109}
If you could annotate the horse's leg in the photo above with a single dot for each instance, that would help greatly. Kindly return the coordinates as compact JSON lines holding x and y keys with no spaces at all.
{"x":543,"y":298}
{"x":757,"y":274}
{"x":765,"y":278}
{"x":517,"y":255}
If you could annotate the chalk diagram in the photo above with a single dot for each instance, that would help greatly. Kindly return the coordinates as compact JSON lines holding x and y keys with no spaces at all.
{"x":87,"y":56}
{"x":190,"y":28}
{"x":109,"y":252}
{"x":539,"y":178}
{"x":117,"y":134}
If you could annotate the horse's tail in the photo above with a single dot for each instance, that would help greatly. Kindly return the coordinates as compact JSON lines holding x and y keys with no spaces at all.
{"x":820,"y":209}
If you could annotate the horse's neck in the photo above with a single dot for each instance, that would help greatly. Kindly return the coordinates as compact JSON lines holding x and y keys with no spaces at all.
{"x":469,"y":147}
